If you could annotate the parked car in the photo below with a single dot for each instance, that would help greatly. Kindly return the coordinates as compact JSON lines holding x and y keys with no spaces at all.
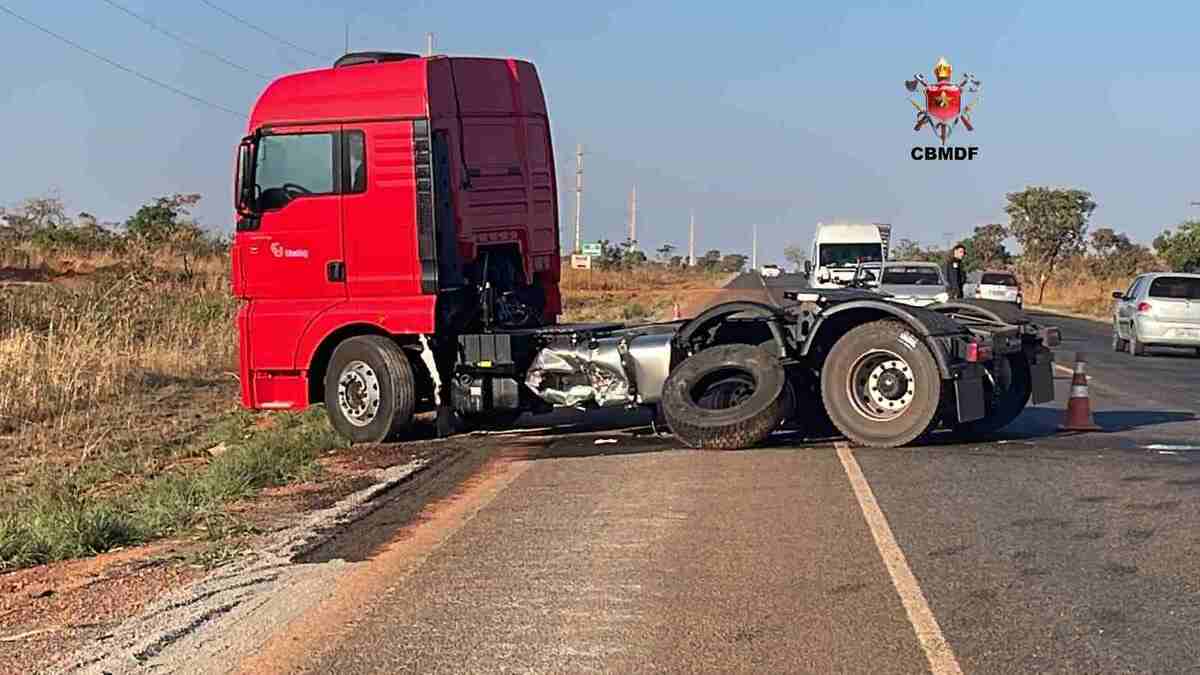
{"x":994,"y":285}
{"x":914,"y":283}
{"x":1158,"y":309}
{"x":771,"y":271}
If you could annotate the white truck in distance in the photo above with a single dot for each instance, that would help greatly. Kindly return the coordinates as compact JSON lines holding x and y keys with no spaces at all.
{"x":841,"y":250}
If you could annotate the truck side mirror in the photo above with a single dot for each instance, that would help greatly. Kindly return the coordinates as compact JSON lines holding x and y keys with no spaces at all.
{"x":1118,"y":295}
{"x":245,"y":197}
{"x":807,"y":268}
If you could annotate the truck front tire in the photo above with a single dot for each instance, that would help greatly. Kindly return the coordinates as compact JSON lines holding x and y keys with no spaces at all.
{"x":370,"y":391}
{"x":725,"y":398}
{"x":881,"y":385}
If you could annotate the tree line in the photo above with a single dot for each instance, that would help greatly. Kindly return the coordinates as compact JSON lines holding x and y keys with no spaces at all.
{"x":628,"y":255}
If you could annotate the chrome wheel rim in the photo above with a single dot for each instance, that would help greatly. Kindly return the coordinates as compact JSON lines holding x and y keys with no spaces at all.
{"x":358,"y":393}
{"x":881,"y":385}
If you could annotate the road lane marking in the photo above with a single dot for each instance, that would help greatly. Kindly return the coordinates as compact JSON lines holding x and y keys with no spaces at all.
{"x":937,"y":650}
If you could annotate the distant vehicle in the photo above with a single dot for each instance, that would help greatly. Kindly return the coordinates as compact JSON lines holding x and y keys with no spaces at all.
{"x":840,"y":251}
{"x":994,"y":285}
{"x":1158,"y":309}
{"x":914,"y":283}
{"x":770,"y":271}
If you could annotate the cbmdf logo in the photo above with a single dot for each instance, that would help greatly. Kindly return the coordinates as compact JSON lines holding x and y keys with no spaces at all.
{"x":944,"y":111}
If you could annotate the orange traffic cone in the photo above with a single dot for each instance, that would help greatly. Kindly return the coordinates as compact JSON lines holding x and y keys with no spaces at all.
{"x":1079,"y":406}
{"x":675,"y":311}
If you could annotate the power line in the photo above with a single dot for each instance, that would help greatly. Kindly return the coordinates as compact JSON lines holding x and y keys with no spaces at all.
{"x":253,"y":27}
{"x":182,"y":40}
{"x":114,"y":64}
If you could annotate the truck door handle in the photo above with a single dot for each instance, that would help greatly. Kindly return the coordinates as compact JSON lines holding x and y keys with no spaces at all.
{"x":335,"y":270}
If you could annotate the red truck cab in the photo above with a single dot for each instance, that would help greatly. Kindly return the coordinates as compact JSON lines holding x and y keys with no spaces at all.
{"x":374,"y":198}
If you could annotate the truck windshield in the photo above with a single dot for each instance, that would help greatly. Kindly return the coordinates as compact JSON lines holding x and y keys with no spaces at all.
{"x":839,"y":255}
{"x":912,"y":276}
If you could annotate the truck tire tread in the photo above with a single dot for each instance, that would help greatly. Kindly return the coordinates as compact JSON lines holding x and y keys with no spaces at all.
{"x":922,"y":414}
{"x":399,"y":386}
{"x":741,"y":426}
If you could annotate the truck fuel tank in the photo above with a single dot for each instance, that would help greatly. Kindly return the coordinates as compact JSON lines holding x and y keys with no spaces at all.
{"x":620,"y":369}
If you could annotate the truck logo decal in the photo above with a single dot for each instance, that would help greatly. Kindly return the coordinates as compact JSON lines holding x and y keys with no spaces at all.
{"x":279,"y":251}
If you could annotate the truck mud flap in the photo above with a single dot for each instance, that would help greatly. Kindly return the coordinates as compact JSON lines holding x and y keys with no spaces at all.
{"x":1042,"y":372}
{"x":968,"y":390}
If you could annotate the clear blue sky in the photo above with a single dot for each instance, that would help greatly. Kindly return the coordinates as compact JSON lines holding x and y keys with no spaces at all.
{"x":781,"y":114}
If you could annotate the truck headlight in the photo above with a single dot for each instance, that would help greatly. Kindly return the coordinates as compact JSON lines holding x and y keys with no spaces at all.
{"x":942,"y":297}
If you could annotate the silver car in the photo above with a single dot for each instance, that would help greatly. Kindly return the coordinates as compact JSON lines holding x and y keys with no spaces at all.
{"x":1158,"y":309}
{"x":914,"y":283}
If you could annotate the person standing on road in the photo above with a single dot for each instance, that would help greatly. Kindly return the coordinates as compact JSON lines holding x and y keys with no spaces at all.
{"x":955,"y":274}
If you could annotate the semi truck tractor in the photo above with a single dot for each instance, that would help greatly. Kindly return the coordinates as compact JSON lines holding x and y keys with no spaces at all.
{"x":397,"y":251}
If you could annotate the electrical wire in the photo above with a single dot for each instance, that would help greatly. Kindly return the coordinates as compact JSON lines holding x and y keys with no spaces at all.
{"x":261,"y":30}
{"x":114,"y":64}
{"x":182,"y":40}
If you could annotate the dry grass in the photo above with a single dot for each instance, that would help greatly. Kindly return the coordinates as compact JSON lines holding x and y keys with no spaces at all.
{"x":1084,"y":294}
{"x":646,"y":293}
{"x":68,"y":348}
{"x":648,"y":277}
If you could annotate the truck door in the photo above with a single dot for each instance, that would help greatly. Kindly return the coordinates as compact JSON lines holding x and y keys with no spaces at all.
{"x":291,"y":252}
{"x":291,"y":249}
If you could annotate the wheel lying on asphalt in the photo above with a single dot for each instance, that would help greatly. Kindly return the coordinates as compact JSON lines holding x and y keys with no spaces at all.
{"x":726,"y":397}
{"x":1005,"y":395}
{"x":370,"y":392}
{"x":881,"y":385}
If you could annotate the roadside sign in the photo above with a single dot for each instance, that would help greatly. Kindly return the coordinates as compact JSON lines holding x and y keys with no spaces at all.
{"x":592,"y":248}
{"x":581,"y":262}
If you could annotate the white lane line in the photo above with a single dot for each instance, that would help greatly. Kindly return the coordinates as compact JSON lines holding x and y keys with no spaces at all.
{"x":939,"y":653}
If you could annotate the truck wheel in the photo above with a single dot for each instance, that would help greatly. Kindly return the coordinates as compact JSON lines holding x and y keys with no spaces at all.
{"x":727,"y":397}
{"x":1005,"y":399}
{"x":881,"y":385}
{"x":370,"y":391}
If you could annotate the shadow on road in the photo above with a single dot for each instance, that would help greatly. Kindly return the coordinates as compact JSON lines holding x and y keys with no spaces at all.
{"x":1042,"y":422}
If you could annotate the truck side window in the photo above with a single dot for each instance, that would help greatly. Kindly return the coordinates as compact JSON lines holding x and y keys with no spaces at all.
{"x":293,"y":165}
{"x":356,"y":161}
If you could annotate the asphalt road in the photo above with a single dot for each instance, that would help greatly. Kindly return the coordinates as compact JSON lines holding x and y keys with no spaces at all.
{"x":1037,"y":551}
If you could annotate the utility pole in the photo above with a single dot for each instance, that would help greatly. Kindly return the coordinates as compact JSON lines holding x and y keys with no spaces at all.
{"x":633,"y":217}
{"x":429,"y":44}
{"x":754,"y":249}
{"x":579,"y":198}
{"x":692,"y":240}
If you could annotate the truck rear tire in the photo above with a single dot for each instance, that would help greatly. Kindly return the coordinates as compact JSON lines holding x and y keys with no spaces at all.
{"x":725,"y":398}
{"x":881,"y":385}
{"x":370,"y":391}
{"x":1005,"y":405}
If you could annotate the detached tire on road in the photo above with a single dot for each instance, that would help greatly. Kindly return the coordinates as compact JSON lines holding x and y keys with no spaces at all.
{"x":727,"y":398}
{"x":881,"y":385}
{"x":370,"y":391}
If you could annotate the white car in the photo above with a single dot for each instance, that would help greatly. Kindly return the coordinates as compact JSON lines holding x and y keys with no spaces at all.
{"x":1158,"y":309}
{"x":914,"y":283}
{"x":770,"y":271}
{"x":994,"y":285}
